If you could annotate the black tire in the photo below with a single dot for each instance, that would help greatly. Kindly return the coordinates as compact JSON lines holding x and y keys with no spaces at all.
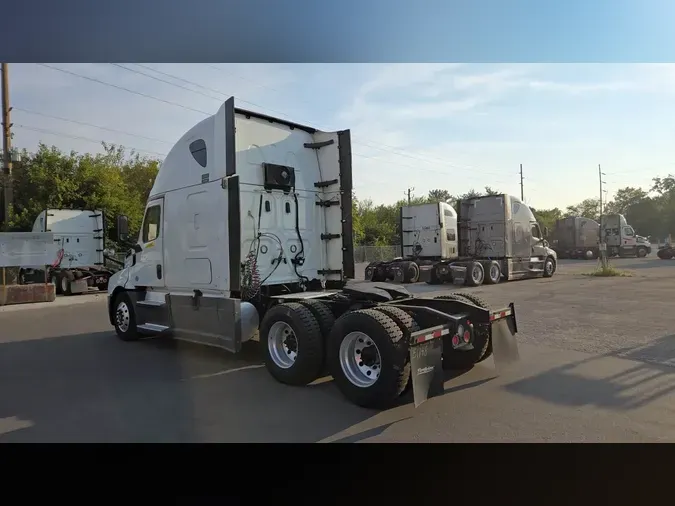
{"x":321,"y":311}
{"x":641,"y":252}
{"x":482,"y":347}
{"x":393,"y":350}
{"x":64,"y":282}
{"x":475,"y":274}
{"x":305,"y":329}
{"x":411,"y":272}
{"x":128,"y":332}
{"x":664,"y":254}
{"x":494,"y":273}
{"x":549,"y":267}
{"x":405,"y":322}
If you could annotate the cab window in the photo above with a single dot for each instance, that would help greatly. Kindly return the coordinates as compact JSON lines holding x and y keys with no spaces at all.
{"x":628,"y":232}
{"x":151,"y":223}
{"x":535,"y":231}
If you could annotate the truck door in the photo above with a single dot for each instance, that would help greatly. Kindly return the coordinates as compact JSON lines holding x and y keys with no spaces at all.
{"x":150,"y":261}
{"x":628,"y":239}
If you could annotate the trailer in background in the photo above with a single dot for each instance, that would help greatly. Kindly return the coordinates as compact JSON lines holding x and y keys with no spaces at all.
{"x":576,"y":237}
{"x":80,"y":264}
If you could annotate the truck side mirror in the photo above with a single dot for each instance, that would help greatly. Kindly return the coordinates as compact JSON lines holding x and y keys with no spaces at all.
{"x":122,"y":223}
{"x":545,"y":231}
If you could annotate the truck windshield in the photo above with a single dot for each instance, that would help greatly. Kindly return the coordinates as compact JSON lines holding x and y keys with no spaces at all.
{"x":628,"y":231}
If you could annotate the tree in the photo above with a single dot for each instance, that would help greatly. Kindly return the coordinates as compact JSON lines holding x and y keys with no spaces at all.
{"x":625,"y":198}
{"x":112,"y":181}
{"x":440,"y":196}
{"x":588,"y":208}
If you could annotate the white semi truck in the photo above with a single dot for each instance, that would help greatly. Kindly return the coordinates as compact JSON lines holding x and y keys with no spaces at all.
{"x":492,"y":238}
{"x":621,"y":239}
{"x":80,"y":264}
{"x":248,"y":234}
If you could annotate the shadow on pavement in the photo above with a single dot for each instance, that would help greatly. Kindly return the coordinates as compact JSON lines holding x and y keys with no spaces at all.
{"x":95,"y":388}
{"x":647,"y":374}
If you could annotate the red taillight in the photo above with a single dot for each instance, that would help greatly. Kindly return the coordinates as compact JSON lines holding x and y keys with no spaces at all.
{"x":455,"y":340}
{"x":467,"y":336}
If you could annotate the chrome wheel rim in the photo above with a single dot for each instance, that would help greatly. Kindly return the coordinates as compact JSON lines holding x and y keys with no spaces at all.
{"x":122,"y":316}
{"x":549,"y":267}
{"x":360,"y":359}
{"x":282,"y":345}
{"x":494,"y":272}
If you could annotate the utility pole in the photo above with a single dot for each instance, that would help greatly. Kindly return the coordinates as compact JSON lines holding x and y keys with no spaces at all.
{"x":408,"y":192}
{"x":6,"y":146}
{"x":522,"y":191}
{"x":601,"y":240}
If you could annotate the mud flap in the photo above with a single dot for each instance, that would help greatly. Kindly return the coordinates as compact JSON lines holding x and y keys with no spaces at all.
{"x":503,"y":331}
{"x":425,"y":367}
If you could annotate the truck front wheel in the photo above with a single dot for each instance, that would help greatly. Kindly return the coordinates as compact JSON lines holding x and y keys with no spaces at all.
{"x":367,"y":357}
{"x":549,"y":267}
{"x":293,"y":345}
{"x":125,"y":318}
{"x":641,"y":252}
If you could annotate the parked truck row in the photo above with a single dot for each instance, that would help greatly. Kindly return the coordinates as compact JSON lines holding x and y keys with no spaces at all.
{"x":578,"y":237}
{"x":247,"y":234}
{"x":492,"y":238}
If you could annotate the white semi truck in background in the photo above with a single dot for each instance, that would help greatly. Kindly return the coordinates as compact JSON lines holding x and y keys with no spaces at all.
{"x":248,"y":233}
{"x":492,"y":238}
{"x":81,"y":261}
{"x":621,"y":239}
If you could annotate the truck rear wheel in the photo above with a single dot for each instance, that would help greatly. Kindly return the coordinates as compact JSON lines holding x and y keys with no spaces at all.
{"x":475,"y":274}
{"x":292,"y":344}
{"x":368,"y":358}
{"x":404,"y":322}
{"x":324,"y":316}
{"x":411,"y":272}
{"x":494,"y":273}
{"x":482,"y":347}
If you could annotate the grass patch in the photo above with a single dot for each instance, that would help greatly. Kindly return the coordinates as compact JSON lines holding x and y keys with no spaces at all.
{"x":608,"y":271}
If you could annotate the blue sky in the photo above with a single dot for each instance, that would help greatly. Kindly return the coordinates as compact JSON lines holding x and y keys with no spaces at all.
{"x":452,"y":126}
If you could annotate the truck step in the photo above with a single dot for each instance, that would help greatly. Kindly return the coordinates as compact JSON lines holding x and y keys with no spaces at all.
{"x":153,"y":327}
{"x":151,"y":303}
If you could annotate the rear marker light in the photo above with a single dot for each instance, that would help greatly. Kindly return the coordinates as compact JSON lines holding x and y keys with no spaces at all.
{"x":455,"y":340}
{"x":467,"y":336}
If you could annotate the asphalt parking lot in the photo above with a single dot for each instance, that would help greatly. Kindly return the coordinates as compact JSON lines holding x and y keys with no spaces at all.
{"x":598,"y":357}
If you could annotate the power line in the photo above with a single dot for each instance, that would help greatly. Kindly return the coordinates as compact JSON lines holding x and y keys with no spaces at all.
{"x":78,"y":137}
{"x":164,"y":81}
{"x":244,"y":101}
{"x":124,"y":89}
{"x":28,"y":111}
{"x":371,"y":144}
